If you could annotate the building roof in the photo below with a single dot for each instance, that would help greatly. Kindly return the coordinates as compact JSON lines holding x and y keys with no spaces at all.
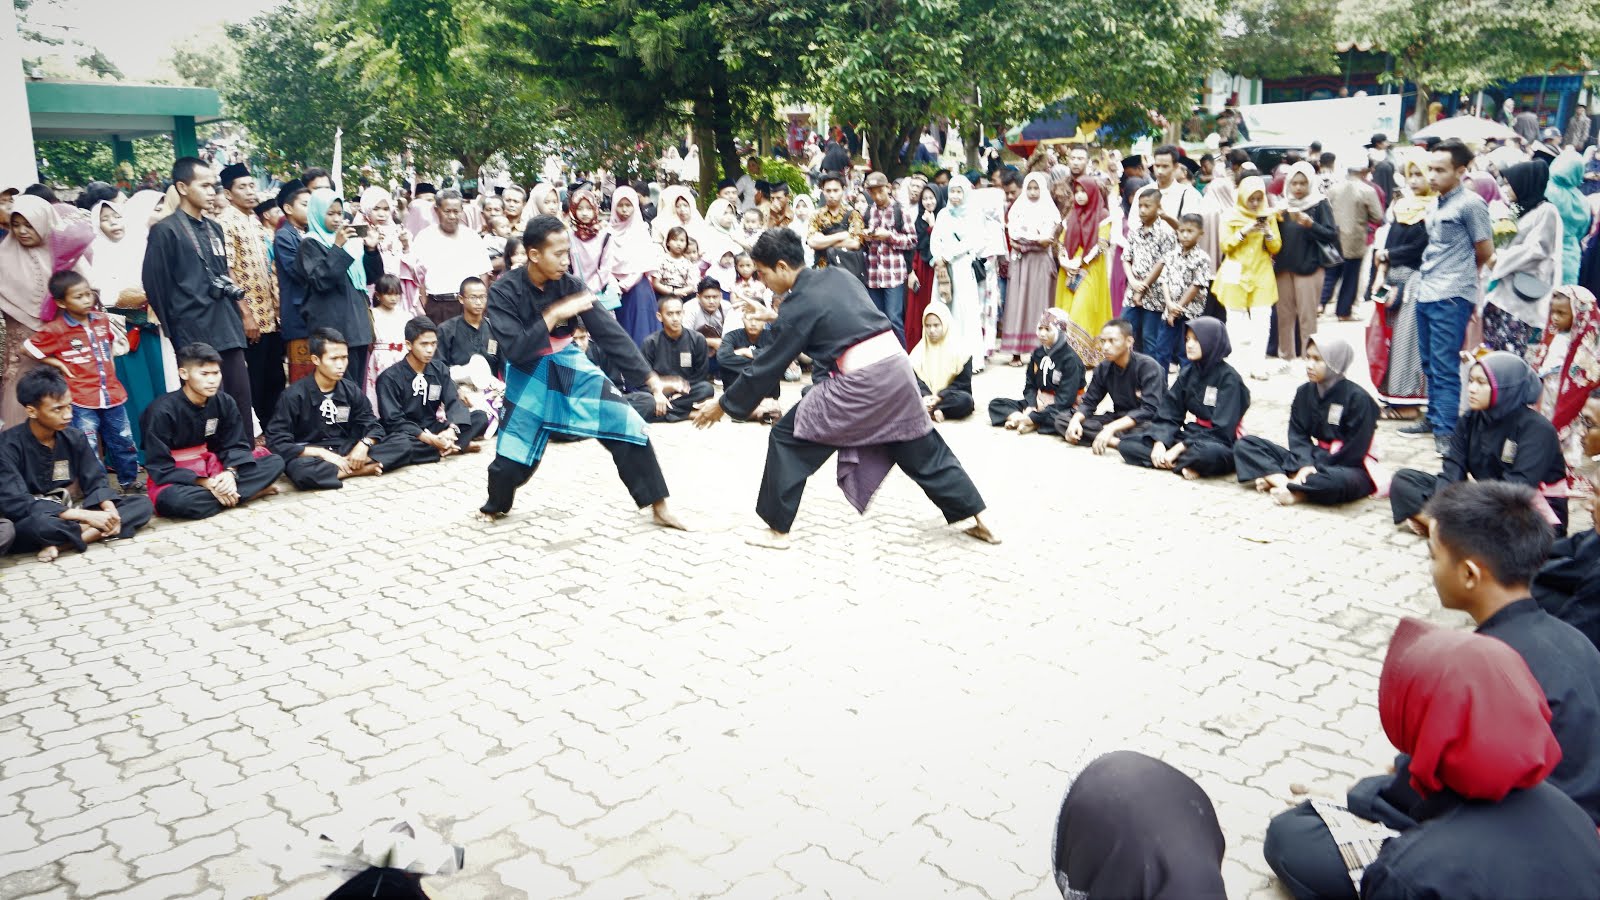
{"x":100,"y":110}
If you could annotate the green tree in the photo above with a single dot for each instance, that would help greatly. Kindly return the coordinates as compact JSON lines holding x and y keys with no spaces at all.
{"x":212,"y":67}
{"x":1279,"y":38}
{"x":74,"y":58}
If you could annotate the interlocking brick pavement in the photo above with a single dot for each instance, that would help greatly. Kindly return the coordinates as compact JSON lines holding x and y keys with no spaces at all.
{"x":599,"y":708}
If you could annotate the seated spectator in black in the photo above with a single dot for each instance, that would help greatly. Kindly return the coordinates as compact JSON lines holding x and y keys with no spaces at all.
{"x":1134,"y":828}
{"x":197,"y":449}
{"x":1212,"y":392}
{"x":681,"y":358}
{"x":53,"y":485}
{"x":1568,"y":584}
{"x":471,"y":353}
{"x":1331,"y":424}
{"x":944,"y":372}
{"x":737,"y":354}
{"x":325,"y":427}
{"x":1135,"y":383}
{"x":411,"y":394}
{"x":1050,"y":383}
{"x":1490,"y":823}
{"x":1499,"y":438}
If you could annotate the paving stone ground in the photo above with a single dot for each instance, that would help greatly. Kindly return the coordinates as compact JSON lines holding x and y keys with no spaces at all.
{"x":599,"y":708}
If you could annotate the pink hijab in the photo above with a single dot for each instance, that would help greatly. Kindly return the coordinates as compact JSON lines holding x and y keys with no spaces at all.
{"x":634,"y":252}
{"x":1484,"y":185}
{"x":25,"y":272}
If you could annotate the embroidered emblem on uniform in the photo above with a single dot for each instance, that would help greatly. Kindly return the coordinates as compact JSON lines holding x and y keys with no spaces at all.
{"x":1335,"y":413}
{"x":419,"y":385}
{"x":61,"y":471}
{"x":329,"y":410}
{"x":1508,"y":452}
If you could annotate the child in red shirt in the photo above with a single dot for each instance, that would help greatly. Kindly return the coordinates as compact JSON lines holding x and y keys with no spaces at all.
{"x":80,"y":343}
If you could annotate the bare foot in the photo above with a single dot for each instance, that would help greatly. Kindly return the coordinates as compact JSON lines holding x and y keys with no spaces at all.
{"x":1417,"y":526}
{"x":981,"y":532}
{"x":1011,"y":424}
{"x":664,"y":517}
{"x":772,"y":540}
{"x":1277,"y":481}
{"x":48,"y":554}
{"x":1285,"y":497}
{"x":486,"y":518}
{"x":1262,"y":486}
{"x":267,"y":491}
{"x":1190,"y":474}
{"x":475,"y":447}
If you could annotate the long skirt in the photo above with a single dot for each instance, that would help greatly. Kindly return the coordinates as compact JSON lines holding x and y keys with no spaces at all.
{"x":143,"y":374}
{"x":1030,"y":291}
{"x":1503,"y":331}
{"x":16,"y":364}
{"x":917,"y":301}
{"x":1393,"y":355}
{"x":638,"y":312}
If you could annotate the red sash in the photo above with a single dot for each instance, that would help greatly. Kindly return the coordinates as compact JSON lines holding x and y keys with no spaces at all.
{"x":197,"y":459}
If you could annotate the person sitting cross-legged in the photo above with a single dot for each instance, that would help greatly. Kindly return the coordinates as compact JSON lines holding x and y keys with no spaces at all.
{"x":1212,"y":392}
{"x":413,"y":391}
{"x":1568,"y":584}
{"x":944,"y":372}
{"x":325,"y":427}
{"x":736,"y":355}
{"x":52,"y":483}
{"x":681,"y":359}
{"x":1135,"y":383}
{"x":1050,"y":384}
{"x":1331,"y":424}
{"x":196,"y":446}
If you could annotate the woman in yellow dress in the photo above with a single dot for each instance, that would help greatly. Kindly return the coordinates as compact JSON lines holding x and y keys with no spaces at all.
{"x":1250,"y":239}
{"x":1083,"y":286}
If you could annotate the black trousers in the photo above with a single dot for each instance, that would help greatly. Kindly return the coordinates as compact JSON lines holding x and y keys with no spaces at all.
{"x":1001,"y":409}
{"x":1411,"y":489}
{"x":265,"y":361}
{"x":1349,"y":280}
{"x":309,"y":473}
{"x":927,"y":460}
{"x":732,"y":374}
{"x":636,"y":464}
{"x":1302,"y":853}
{"x":417,"y":453}
{"x":1255,"y":457}
{"x":191,"y":501}
{"x":236,"y":383}
{"x":35,"y":533}
{"x":1092,"y":425}
{"x":956,"y":404}
{"x":679,"y":408}
{"x":8,"y":533}
{"x":356,"y":372}
{"x":1205,"y":454}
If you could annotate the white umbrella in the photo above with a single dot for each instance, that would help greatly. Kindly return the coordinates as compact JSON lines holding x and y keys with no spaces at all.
{"x":1467,"y":129}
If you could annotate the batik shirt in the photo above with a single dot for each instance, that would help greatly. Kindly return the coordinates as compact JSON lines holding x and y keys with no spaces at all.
{"x":248,"y":265}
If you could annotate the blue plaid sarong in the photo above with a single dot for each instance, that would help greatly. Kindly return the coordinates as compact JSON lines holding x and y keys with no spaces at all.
{"x":564,"y":394}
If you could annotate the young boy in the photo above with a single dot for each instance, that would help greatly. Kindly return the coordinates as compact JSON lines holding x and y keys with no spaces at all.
{"x":1186,"y":273}
{"x":413,"y":391}
{"x":467,"y":335}
{"x":325,"y":427}
{"x":195,"y":446}
{"x":1135,"y":383}
{"x":710,"y":316}
{"x":52,"y":485}
{"x":1050,"y":385}
{"x":79,"y":343}
{"x":1149,"y":245}
{"x":680,"y":358}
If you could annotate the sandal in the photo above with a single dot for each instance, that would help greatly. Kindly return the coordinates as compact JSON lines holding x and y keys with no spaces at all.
{"x":1398,"y":414}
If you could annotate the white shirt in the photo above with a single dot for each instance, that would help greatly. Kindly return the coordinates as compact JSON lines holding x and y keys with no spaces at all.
{"x":1179,"y":199}
{"x":747,"y":192}
{"x":447,"y":260}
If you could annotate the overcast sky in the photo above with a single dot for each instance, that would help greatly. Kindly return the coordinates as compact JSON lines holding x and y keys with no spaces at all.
{"x":137,"y":36}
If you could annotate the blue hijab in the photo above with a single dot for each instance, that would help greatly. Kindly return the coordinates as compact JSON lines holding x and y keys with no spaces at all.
{"x":323,"y":199}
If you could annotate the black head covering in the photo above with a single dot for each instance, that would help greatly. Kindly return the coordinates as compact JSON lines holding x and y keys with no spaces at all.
{"x":1214,"y":343}
{"x":727,"y":183}
{"x":289,"y":189}
{"x":1134,"y":828}
{"x":1512,"y":383}
{"x":263,"y":206}
{"x":423,"y":187}
{"x":96,"y":192}
{"x":231,"y":173}
{"x":1528,"y":181}
{"x":923,"y":229}
{"x":383,"y":884}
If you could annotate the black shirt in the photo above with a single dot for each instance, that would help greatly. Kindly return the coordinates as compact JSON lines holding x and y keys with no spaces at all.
{"x":1520,"y":446}
{"x":29,"y":469}
{"x":182,"y":256}
{"x":1347,"y":414}
{"x":409,"y":401}
{"x":459,"y":342}
{"x":332,"y":300}
{"x":1054,"y":370}
{"x":1135,"y":391}
{"x":1568,"y":584}
{"x":516,"y":323}
{"x":687,"y":357}
{"x":1216,"y":397}
{"x":335,"y":420}
{"x":1301,"y":253}
{"x":171,"y":423}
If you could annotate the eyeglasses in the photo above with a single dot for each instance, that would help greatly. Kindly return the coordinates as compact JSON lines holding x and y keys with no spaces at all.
{"x":1587,"y":421}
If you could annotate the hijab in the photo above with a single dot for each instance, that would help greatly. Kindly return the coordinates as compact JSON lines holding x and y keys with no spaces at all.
{"x":420,"y":216}
{"x":1483,"y":183}
{"x":533,"y":205}
{"x":1565,"y":192}
{"x":634,"y":252}
{"x":1033,"y":220}
{"x":1412,"y":207}
{"x":1580,"y":370}
{"x":25,"y":272}
{"x":938,"y":364}
{"x":371,"y":197}
{"x":805,"y":202}
{"x":582,"y":195}
{"x":1134,"y":828}
{"x":1467,"y":710}
{"x":952,"y":208}
{"x":1083,"y":219}
{"x":1242,"y":215}
{"x":1528,"y":181}
{"x":1338,"y":354}
{"x":1313,"y":195}
{"x":1512,"y":383}
{"x":322,"y":200}
{"x":923,"y":229}
{"x":118,"y":265}
{"x":667,"y":214}
{"x":1214,"y":343}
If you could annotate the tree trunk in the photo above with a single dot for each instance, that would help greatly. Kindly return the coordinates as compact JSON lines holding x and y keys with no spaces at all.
{"x":722,"y":124}
{"x":884,"y":139}
{"x":705,"y":139}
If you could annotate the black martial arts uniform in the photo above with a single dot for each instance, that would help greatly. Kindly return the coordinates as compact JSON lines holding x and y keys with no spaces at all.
{"x":183,"y":256}
{"x":30,"y":473}
{"x":1210,"y":390}
{"x":1050,"y":386}
{"x":336,"y":420}
{"x":459,"y":342}
{"x":1519,"y":446}
{"x":1568,"y":585}
{"x":735,"y":366}
{"x":172,"y":424}
{"x":1136,"y":391}
{"x":686,"y":357}
{"x":409,"y":402}
{"x":826,"y":313}
{"x":1346,"y":415}
{"x":955,"y":401}
{"x":332,"y":300}
{"x":516,"y":322}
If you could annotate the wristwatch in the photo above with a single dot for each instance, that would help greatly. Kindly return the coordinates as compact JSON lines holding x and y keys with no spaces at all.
{"x":366,"y":441}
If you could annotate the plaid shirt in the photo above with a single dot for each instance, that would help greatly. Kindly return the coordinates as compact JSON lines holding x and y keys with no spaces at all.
{"x":1146,"y":248}
{"x":886,"y":260}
